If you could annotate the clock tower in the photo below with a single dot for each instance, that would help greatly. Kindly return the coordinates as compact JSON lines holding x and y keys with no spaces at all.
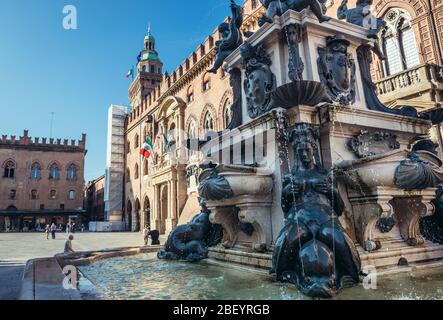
{"x":149,"y":72}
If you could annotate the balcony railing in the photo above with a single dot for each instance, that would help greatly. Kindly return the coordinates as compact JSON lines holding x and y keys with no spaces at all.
{"x":424,"y":82}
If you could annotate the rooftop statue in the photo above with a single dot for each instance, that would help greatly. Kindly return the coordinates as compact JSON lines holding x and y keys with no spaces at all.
{"x":231,"y":36}
{"x":363,"y":17}
{"x":191,"y":241}
{"x":278,"y":7}
{"x":313,"y":251}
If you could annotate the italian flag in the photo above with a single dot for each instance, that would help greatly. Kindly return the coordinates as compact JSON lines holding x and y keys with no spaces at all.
{"x":148,"y":149}
{"x":129,"y":73}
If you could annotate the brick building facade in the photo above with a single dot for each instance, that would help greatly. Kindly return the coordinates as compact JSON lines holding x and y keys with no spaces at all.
{"x":95,"y":199}
{"x":41,"y":181}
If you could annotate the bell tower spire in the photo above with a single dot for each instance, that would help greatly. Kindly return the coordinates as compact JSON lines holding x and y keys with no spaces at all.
{"x":149,"y":71}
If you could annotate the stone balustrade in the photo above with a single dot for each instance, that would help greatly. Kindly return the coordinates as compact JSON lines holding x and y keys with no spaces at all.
{"x":418,"y":85}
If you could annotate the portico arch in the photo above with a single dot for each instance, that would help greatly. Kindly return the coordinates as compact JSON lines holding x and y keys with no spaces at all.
{"x":146,"y":221}
{"x":128,"y":216}
{"x":164,"y":208}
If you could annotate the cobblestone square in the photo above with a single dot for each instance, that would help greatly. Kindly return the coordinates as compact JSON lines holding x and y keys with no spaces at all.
{"x":17,"y":248}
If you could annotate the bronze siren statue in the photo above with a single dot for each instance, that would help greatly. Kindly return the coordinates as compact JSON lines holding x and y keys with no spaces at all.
{"x":278,"y":7}
{"x":231,"y":37}
{"x":313,"y":251}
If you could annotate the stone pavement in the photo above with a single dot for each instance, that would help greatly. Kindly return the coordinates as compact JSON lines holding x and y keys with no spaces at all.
{"x":17,"y":248}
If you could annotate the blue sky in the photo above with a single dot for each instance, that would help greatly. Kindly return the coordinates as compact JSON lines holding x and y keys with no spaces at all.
{"x":78,"y":73}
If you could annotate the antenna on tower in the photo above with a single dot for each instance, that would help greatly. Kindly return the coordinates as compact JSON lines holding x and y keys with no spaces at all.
{"x":51,"y":124}
{"x":149,"y":28}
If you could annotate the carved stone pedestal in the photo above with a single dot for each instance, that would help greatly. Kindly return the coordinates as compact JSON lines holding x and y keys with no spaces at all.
{"x":228,"y":219}
{"x":255,"y":210}
{"x":379,"y":210}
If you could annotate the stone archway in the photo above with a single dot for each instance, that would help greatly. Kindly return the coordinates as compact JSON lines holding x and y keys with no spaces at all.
{"x":164,"y":206}
{"x":136,"y":217}
{"x":146,"y":212}
{"x":129,"y":215}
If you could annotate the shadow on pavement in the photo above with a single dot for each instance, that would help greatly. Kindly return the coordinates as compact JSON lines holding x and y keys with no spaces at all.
{"x":11,"y":273}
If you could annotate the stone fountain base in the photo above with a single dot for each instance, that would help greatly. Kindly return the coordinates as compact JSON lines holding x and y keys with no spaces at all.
{"x":388,"y":260}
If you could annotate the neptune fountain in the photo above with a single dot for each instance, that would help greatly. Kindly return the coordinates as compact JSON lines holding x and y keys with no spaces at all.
{"x":317,"y":180}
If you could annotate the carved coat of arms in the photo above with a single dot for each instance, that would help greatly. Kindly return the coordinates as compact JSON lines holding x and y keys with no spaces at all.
{"x":337,"y":70}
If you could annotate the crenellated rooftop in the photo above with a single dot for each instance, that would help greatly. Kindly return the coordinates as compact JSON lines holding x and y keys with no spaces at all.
{"x":192,"y":67}
{"x":44,"y":144}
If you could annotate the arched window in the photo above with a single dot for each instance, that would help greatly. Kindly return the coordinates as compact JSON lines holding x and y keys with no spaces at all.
{"x":9,"y":171}
{"x":190,"y":94}
{"x":227,"y":113}
{"x":34,"y":194}
{"x":72,"y":172}
{"x":54,"y":172}
{"x":53,"y":194}
{"x":128,"y":175}
{"x":208,"y":123}
{"x":136,"y":171}
{"x":36,"y":171}
{"x":136,"y":141}
{"x":399,"y":43}
{"x":145,"y":167}
{"x":72,"y":195}
{"x":206,"y":83}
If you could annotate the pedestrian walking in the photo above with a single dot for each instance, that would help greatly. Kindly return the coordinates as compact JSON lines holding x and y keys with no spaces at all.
{"x":47,"y":230}
{"x":68,"y":228}
{"x":83,"y":228}
{"x":53,"y":230}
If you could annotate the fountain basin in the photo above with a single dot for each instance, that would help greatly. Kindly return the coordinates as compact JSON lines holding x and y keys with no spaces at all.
{"x":145,"y":277}
{"x":242,"y":180}
{"x":371,"y":172}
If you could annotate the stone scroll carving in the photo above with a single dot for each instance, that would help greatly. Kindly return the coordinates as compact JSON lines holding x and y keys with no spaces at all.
{"x":259,"y":81}
{"x":278,"y":7}
{"x":371,"y":144}
{"x":231,"y":36}
{"x":421,"y":170}
{"x":296,"y":66}
{"x":337,"y":70}
{"x":313,"y":251}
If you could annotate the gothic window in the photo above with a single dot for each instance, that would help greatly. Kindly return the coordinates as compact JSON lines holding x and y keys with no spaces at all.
{"x":208,"y":123}
{"x":152,"y":69}
{"x":399,"y":43}
{"x":136,"y":171}
{"x":143,"y":68}
{"x":190,"y":94}
{"x":145,"y":167}
{"x":206,"y":82}
{"x":136,"y":141}
{"x":36,"y":171}
{"x":34,"y":195}
{"x":9,"y":167}
{"x":128,"y":175}
{"x":54,"y":172}
{"x":72,"y":195}
{"x":227,"y":113}
{"x":13,"y":194}
{"x":53,"y":194}
{"x":72,"y":172}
